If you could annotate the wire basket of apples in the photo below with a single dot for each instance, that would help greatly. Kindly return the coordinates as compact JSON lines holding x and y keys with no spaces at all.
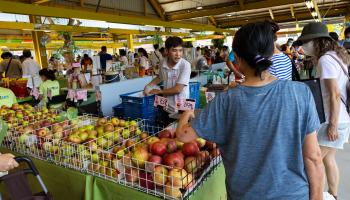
{"x":42,"y":139}
{"x":94,"y":139}
{"x":107,"y":162}
{"x":163,"y":166}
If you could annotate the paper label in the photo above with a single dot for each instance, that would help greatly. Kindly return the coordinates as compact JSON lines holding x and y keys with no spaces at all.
{"x":81,"y":95}
{"x":70,"y":95}
{"x":35,"y":93}
{"x":185,"y":104}
{"x":160,"y":101}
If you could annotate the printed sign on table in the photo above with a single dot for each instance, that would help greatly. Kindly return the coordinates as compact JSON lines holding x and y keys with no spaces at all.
{"x":185,"y":104}
{"x":160,"y":101}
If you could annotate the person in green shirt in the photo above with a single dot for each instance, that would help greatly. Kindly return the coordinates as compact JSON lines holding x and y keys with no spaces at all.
{"x":7,"y":97}
{"x":49,"y":87}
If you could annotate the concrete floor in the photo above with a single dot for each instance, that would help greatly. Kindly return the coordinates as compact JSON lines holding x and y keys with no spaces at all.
{"x":343,"y":159}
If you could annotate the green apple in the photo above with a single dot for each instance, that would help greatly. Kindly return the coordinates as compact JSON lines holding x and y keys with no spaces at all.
{"x":90,"y":127}
{"x":47,"y":146}
{"x":116,"y":136}
{"x":67,"y":150}
{"x":126,"y":134}
{"x":95,"y":158}
{"x":138,"y":131}
{"x":127,"y":123}
{"x":54,"y":149}
{"x":102,"y":142}
{"x":83,"y":136}
{"x":133,"y":123}
{"x":108,"y":136}
{"x":104,"y":163}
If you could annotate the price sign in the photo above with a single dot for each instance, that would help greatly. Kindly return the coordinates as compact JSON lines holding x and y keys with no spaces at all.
{"x":188,"y":105}
{"x":209,"y":96}
{"x":71,"y":95}
{"x":160,"y":101}
{"x":81,"y":95}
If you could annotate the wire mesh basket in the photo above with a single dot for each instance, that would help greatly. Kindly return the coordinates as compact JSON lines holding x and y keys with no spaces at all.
{"x":158,"y":164}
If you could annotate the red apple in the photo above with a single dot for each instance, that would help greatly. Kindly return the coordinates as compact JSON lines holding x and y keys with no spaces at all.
{"x":174,"y":160}
{"x":41,"y":132}
{"x":202,"y":157}
{"x":152,"y":140}
{"x":146,"y":180}
{"x":153,"y":161}
{"x":171,"y":146}
{"x":158,"y":148}
{"x":139,"y":157}
{"x":165,"y":134}
{"x":129,"y":143}
{"x":173,"y":191}
{"x":190,"y":149}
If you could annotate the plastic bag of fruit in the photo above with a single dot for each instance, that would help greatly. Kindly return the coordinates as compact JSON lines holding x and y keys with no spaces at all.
{"x":72,"y":113}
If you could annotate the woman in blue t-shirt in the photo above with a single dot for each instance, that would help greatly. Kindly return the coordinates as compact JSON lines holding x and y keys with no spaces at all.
{"x":265,"y":128}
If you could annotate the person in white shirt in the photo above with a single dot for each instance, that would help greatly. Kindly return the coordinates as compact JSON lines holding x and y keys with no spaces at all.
{"x":123,"y":59}
{"x":174,"y":72}
{"x":156,"y":59}
{"x":332,"y":69}
{"x":30,"y":69}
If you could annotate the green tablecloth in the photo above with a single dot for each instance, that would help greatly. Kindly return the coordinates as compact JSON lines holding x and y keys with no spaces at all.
{"x":25,"y":99}
{"x":68,"y":184}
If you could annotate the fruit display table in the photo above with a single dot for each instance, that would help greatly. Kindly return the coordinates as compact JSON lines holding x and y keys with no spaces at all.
{"x":66,"y":183}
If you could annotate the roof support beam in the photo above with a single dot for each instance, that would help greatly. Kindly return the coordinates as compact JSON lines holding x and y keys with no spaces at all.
{"x":40,"y":1}
{"x":279,"y":18}
{"x":28,"y":9}
{"x":212,"y":20}
{"x":292,"y":11}
{"x":158,"y":8}
{"x":271,"y":14}
{"x":171,"y":1}
{"x":317,"y":10}
{"x":229,"y":9}
{"x":145,"y":7}
{"x":82,"y":2}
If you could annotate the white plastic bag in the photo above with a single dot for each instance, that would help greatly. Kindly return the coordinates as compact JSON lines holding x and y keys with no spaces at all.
{"x":149,"y":88}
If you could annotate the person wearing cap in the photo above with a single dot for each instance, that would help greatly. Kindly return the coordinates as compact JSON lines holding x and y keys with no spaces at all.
{"x":332,"y":61}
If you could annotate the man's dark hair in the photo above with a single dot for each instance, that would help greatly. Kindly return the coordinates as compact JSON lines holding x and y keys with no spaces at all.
{"x":143,"y":51}
{"x":347,"y":31}
{"x":122,"y":52}
{"x":225,"y":48}
{"x":161,"y":50}
{"x":334,"y":36}
{"x":173,"y":42}
{"x":103,"y":48}
{"x":156,"y":46}
{"x":254,"y":43}
{"x":86,"y":55}
{"x":6,"y":55}
{"x":198,"y":49}
{"x":26,"y":53}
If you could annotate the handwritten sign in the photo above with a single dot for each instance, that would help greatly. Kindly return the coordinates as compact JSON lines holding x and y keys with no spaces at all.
{"x":188,"y":105}
{"x":160,"y":101}
{"x":81,"y":95}
{"x":185,"y":104}
{"x":209,"y":96}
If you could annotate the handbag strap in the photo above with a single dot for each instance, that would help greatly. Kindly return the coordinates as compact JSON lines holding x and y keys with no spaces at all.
{"x":344,"y":70}
{"x":8,"y":66}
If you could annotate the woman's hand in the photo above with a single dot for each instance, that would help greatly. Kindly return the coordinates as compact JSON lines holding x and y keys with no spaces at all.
{"x":7,"y":162}
{"x":332,"y":132}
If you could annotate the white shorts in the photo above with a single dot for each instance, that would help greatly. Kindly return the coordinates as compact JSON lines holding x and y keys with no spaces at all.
{"x":343,"y":131}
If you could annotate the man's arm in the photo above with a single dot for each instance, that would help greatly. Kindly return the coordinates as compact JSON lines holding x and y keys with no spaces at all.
{"x":184,"y":131}
{"x":170,"y":91}
{"x":313,"y":166}
{"x":335,"y":100}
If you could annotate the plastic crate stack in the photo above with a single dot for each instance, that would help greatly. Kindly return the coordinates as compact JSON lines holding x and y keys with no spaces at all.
{"x":136,"y":106}
{"x":195,"y":92}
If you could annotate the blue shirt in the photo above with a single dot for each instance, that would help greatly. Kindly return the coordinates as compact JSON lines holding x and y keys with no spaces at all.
{"x":103,"y":59}
{"x":260,"y":132}
{"x":281,"y":67}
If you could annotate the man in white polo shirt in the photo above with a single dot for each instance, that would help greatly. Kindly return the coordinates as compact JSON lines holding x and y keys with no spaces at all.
{"x":174,"y":72}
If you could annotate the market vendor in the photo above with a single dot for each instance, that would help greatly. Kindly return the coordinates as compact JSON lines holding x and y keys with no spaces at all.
{"x":49,"y":87}
{"x":7,"y":97}
{"x":265,"y":128}
{"x":9,"y":66}
{"x":175,"y":74}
